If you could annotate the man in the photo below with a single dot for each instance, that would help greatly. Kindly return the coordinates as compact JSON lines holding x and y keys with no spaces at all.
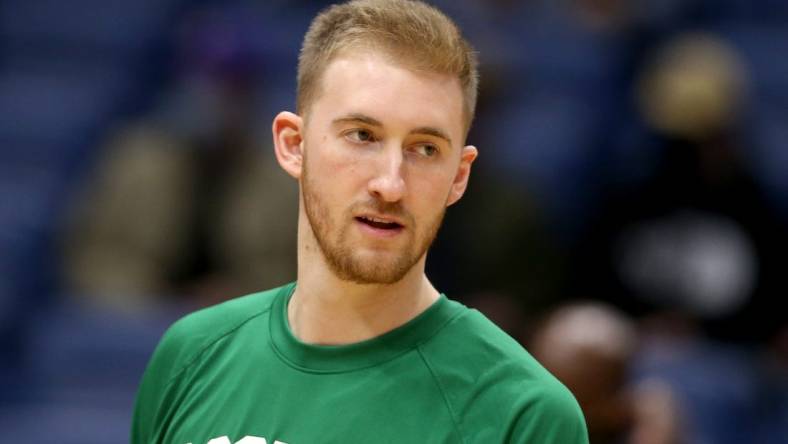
{"x":617,"y":409}
{"x":362,"y":348}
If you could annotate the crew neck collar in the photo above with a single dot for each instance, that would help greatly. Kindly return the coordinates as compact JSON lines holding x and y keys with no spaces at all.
{"x":344,"y":358}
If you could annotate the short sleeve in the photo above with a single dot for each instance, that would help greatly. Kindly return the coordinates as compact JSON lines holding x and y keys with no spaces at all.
{"x":551,"y":415}
{"x":155,"y":393}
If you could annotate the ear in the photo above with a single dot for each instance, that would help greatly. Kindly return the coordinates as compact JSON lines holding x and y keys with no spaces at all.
{"x":288,"y":142}
{"x":469,"y":154}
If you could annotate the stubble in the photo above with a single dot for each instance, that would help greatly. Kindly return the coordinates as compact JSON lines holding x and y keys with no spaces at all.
{"x":333,"y":237}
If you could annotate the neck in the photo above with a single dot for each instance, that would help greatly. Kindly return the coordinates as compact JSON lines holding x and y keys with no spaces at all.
{"x":327,"y":310}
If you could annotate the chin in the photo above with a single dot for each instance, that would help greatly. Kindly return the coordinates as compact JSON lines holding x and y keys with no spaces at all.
{"x":372,"y":269}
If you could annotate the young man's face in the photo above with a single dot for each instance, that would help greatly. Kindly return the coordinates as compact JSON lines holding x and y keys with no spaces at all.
{"x":382,"y":159}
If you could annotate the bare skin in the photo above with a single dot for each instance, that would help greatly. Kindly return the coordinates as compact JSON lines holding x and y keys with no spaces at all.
{"x":382,"y":142}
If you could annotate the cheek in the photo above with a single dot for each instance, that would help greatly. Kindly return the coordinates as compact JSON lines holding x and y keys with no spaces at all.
{"x":335,"y":171}
{"x":324,"y":157}
{"x":431,"y":192}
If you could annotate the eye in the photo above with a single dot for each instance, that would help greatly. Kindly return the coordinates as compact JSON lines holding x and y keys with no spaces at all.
{"x":360,"y":135}
{"x":426,"y":149}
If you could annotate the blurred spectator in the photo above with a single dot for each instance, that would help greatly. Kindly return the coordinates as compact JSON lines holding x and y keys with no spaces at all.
{"x":498,"y":243}
{"x":505,"y":311}
{"x":187,"y":200}
{"x":590,"y":347}
{"x":697,"y":239}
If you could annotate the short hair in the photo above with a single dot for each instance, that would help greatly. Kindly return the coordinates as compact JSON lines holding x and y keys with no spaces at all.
{"x":411,"y":32}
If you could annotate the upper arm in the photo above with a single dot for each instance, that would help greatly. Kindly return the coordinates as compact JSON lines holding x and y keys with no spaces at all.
{"x":156,"y":388}
{"x":550,"y":415}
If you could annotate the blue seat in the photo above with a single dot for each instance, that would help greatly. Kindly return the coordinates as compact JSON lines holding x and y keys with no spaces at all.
{"x":108,"y":25}
{"x":45,"y":106}
{"x":74,"y":349}
{"x":761,"y":11}
{"x":769,"y":153}
{"x":81,"y":368}
{"x":64,"y":424}
{"x":544,"y":143}
{"x":764,"y":49}
{"x":717,"y":386}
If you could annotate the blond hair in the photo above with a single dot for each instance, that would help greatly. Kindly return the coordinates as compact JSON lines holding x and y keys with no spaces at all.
{"x":411,"y":32}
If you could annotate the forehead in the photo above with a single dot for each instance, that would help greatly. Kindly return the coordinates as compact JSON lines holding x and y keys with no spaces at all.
{"x":398,"y":96}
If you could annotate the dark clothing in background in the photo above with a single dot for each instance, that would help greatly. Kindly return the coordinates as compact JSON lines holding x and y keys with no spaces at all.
{"x":697,"y":238}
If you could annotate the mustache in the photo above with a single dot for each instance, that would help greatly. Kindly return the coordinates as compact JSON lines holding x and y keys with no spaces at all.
{"x":393,"y":209}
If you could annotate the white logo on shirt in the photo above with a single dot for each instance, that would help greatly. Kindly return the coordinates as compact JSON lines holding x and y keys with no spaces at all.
{"x":245,"y":440}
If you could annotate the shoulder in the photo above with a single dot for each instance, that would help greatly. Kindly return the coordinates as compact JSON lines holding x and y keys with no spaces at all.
{"x":185,"y":340}
{"x":497,"y":390}
{"x":182,"y":346}
{"x":481,"y":346}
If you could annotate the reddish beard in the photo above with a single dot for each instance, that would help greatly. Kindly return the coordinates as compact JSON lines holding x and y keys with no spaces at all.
{"x":332,"y":234}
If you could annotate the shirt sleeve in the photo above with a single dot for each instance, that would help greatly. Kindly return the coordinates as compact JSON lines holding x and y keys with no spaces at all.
{"x":156,"y":393}
{"x":551,"y":417}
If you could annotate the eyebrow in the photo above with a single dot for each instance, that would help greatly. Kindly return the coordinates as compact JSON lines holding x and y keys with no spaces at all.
{"x":432,"y":131}
{"x":358,"y":118}
{"x":371,"y":121}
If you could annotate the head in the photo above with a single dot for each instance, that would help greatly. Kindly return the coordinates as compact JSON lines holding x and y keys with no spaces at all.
{"x":410,"y":33}
{"x":386,"y":93}
{"x":588,"y":347}
{"x":695,"y":87}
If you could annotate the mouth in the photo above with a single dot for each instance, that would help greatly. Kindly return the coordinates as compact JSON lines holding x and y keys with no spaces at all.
{"x":380,"y":223}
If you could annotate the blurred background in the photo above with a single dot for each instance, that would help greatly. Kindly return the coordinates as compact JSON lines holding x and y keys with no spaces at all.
{"x":626,"y":218}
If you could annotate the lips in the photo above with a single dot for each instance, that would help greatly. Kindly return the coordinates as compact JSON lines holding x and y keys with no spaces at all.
{"x":380,"y":222}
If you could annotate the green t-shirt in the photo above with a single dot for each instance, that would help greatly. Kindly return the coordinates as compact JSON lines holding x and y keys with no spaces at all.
{"x":234,"y":373}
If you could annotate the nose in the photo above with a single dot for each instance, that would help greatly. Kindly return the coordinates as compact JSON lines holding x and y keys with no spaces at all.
{"x":388,"y":183}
